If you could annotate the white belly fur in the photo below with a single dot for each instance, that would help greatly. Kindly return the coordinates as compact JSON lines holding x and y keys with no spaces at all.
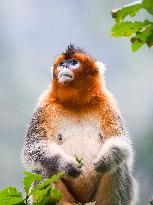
{"x":81,"y":137}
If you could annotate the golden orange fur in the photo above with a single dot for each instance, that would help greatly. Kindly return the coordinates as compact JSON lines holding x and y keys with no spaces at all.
{"x":85,"y":85}
{"x":85,"y":94}
{"x":84,"y":101}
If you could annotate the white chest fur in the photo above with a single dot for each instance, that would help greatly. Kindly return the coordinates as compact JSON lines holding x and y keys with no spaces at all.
{"x":80,"y":136}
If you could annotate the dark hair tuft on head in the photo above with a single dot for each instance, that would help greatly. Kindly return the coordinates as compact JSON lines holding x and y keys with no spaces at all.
{"x":71,"y":50}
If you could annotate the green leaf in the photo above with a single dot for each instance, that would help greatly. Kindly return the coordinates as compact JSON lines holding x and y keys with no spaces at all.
{"x":130,"y":9}
{"x":29,"y":179}
{"x":150,"y":40}
{"x":10,"y":196}
{"x":56,"y":177}
{"x":136,"y":45}
{"x":41,"y":197}
{"x":55,"y":196}
{"x":48,"y":182}
{"x":44,"y":194}
{"x":141,"y":32}
{"x":141,"y":38}
{"x":148,"y":5}
{"x":41,"y":186}
{"x":129,"y":28}
{"x":47,"y":196}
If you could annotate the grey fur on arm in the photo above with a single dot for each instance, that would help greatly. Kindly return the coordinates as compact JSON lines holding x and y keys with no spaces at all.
{"x":44,"y":156}
{"x":115,"y":152}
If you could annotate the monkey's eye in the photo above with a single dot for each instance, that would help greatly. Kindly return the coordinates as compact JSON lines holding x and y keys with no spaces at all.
{"x":73,"y":63}
{"x":62,"y":63}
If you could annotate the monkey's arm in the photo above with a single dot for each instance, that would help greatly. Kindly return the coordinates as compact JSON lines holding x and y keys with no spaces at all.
{"x":43,"y":155}
{"x":115,"y":152}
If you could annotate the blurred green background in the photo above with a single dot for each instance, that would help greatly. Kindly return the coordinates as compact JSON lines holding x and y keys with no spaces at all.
{"x":32,"y":33}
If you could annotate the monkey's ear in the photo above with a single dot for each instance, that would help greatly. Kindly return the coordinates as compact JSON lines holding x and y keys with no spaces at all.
{"x":51,"y":70}
{"x":101,"y":67}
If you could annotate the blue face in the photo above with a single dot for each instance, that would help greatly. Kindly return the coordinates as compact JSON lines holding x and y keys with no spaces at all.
{"x":71,"y":63}
{"x":65,"y":70}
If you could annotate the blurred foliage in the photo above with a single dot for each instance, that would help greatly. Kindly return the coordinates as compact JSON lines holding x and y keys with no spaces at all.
{"x":43,"y":193}
{"x":141,"y":32}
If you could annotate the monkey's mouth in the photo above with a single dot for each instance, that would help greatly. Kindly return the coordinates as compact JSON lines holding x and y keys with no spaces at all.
{"x":65,"y":76}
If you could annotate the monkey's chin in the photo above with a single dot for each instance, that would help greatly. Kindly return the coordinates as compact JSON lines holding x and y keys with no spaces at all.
{"x":64,"y":79}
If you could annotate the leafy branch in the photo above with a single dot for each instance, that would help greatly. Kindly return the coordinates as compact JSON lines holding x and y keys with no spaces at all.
{"x":140,"y":32}
{"x":42,"y":194}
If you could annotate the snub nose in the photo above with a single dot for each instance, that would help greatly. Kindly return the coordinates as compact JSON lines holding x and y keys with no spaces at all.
{"x":67,"y":66}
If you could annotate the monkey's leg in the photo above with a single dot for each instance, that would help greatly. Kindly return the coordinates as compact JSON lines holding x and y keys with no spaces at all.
{"x":116,"y":188}
{"x":67,"y":198}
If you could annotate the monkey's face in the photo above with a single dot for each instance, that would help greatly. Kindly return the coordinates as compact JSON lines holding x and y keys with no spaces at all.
{"x":76,"y":76}
{"x":74,"y":67}
{"x":65,"y":69}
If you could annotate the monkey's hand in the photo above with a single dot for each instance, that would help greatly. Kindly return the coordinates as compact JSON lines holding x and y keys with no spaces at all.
{"x":69,"y":166}
{"x":49,"y":159}
{"x":115,"y":152}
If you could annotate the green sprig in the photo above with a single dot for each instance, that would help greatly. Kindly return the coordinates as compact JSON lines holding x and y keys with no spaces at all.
{"x":140,"y":32}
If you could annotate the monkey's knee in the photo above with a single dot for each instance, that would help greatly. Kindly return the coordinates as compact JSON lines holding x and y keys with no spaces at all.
{"x":116,"y":188}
